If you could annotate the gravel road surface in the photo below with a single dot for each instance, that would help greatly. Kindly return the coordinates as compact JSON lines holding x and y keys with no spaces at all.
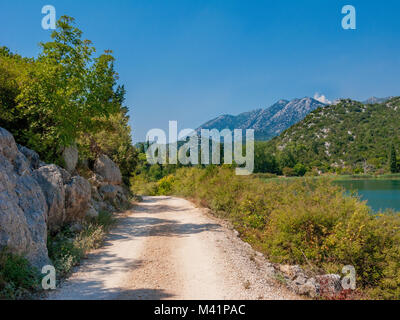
{"x":166,"y":248}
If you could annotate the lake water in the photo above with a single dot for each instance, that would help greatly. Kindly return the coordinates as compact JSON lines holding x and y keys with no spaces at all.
{"x":380,"y":194}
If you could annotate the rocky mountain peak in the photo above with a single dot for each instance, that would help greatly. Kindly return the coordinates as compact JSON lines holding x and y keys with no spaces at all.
{"x":268,"y":122}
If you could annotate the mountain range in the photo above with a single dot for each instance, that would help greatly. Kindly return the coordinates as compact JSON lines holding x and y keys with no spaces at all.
{"x":271,"y":122}
{"x":267,"y":123}
{"x":374,"y":100}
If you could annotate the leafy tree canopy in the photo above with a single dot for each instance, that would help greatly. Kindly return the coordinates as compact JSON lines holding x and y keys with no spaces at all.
{"x":67,"y":95}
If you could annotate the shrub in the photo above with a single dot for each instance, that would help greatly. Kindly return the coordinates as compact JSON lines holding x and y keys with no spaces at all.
{"x":155,"y":172}
{"x":67,"y":247}
{"x":18,"y":279}
{"x":300,"y":169}
{"x":164,"y":186}
{"x":288,"y":172}
{"x":264,"y":175}
{"x":140,"y":185}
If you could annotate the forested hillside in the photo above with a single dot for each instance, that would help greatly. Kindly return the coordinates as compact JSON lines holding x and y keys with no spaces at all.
{"x":349,"y":137}
{"x":66,"y":96}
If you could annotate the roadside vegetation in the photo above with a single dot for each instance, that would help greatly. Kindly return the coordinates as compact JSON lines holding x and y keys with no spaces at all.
{"x":19,"y":280}
{"x":306,"y":221}
{"x":70,"y":245}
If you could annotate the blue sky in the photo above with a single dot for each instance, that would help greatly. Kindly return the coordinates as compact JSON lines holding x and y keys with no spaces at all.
{"x":192,"y":60}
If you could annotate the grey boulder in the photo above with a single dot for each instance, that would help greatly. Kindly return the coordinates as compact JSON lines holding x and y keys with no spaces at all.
{"x":50,"y":179}
{"x":70,"y":156}
{"x":106,"y":168}
{"x":91,"y":213}
{"x":31,"y":156}
{"x":115,"y":196}
{"x":77,"y":198}
{"x":23,"y":208}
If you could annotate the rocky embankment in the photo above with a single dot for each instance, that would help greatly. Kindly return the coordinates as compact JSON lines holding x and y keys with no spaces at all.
{"x":37,"y":198}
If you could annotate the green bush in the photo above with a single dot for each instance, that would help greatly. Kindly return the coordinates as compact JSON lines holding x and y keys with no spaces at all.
{"x":18,"y":279}
{"x":164,"y":186}
{"x":140,"y":185}
{"x":288,"y":172}
{"x":67,"y":248}
{"x":300,"y":169}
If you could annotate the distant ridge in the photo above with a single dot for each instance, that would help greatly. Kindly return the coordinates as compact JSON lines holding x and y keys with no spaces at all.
{"x":375,"y":100}
{"x":267,"y":123}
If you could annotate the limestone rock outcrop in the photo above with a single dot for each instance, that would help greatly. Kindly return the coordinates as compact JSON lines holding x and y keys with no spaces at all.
{"x":77,"y":198}
{"x":31,"y":156}
{"x":107,"y":169}
{"x":23,"y":208}
{"x":51,"y":181}
{"x":70,"y":157}
{"x":37,"y":198}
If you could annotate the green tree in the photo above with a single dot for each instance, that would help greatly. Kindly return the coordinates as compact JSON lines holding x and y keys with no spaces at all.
{"x":114,"y":139}
{"x":264,"y":160}
{"x":11,"y":66}
{"x":66,"y":92}
{"x":155,"y":172}
{"x":300,"y":169}
{"x":393,"y":160}
{"x":66,"y":96}
{"x":287,"y":158}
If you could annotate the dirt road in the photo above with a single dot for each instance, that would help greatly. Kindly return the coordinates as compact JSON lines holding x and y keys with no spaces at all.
{"x":168,"y":249}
